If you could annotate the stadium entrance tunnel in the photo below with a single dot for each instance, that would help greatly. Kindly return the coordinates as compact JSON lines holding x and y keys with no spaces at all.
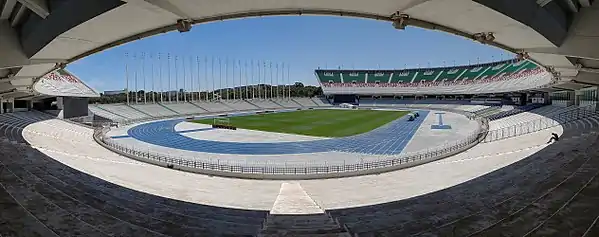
{"x":389,"y":139}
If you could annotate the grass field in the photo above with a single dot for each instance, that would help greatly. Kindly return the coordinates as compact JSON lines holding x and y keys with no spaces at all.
{"x":322,"y":123}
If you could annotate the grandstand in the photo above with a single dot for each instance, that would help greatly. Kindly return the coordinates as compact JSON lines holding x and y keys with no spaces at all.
{"x":504,"y":76}
{"x":545,"y":190}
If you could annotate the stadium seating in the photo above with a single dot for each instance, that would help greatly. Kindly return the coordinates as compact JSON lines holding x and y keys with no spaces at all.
{"x":12,"y":124}
{"x":287,"y":103}
{"x":239,"y":105}
{"x":156,"y":110}
{"x":184,"y":108}
{"x":516,"y":110}
{"x":321,"y":101}
{"x":496,"y":77}
{"x":545,"y":194}
{"x":43,"y":197}
{"x":120,"y":112}
{"x":305,"y":102}
{"x":123,"y":111}
{"x":212,"y":106}
{"x":104,"y":113}
{"x":302,"y":225}
{"x":264,"y":104}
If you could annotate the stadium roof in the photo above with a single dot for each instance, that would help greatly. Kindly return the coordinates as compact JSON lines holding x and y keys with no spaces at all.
{"x":36,"y":35}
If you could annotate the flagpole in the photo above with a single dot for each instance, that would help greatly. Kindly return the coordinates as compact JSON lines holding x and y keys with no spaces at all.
{"x":199,"y":82}
{"x":220,"y":79}
{"x":277,"y":79}
{"x":168,"y":64}
{"x":184,"y":80}
{"x":212,"y":80}
{"x":289,"y":79}
{"x":135,"y":76}
{"x":143,"y":75}
{"x":153,"y":79}
{"x":247,"y":81}
{"x":285,"y":81}
{"x":240,"y":96}
{"x":271,"y":80}
{"x":252,"y":75}
{"x":206,"y":74}
{"x":190,"y":78}
{"x":264,"y":91}
{"x":160,"y":76}
{"x":176,"y":80}
{"x":127,"y":76}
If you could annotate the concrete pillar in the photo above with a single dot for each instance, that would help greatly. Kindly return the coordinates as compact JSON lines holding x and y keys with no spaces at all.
{"x":29,"y":105}
{"x":1,"y":106}
{"x":12,"y":105}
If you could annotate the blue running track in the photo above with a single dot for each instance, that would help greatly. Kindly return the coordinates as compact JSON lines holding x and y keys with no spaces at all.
{"x":388,"y":139}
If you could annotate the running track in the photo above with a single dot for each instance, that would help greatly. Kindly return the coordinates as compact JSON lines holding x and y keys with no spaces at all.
{"x":388,"y":139}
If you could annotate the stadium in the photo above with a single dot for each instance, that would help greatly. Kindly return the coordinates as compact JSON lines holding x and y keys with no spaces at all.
{"x":199,"y":146}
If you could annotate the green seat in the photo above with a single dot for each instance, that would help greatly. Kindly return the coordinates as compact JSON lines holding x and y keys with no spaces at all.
{"x":427,"y":75}
{"x":451,"y":74}
{"x":381,"y":77}
{"x":357,"y":77}
{"x":404,"y":76}
{"x":329,"y":76}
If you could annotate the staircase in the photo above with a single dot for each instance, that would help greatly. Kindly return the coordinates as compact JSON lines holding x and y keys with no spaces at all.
{"x":318,"y":225}
{"x":295,"y":213}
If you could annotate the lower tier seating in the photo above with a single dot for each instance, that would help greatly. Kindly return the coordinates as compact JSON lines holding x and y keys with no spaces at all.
{"x":42,"y":197}
{"x":551,"y":193}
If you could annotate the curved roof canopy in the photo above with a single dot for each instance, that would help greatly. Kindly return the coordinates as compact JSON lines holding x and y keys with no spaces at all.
{"x":38,"y":34}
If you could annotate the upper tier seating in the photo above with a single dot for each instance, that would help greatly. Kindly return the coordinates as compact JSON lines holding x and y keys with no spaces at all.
{"x":502,"y":76}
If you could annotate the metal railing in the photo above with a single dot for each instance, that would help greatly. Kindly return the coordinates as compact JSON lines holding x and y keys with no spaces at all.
{"x":367,"y":162}
{"x":316,"y":169}
{"x":536,"y":125}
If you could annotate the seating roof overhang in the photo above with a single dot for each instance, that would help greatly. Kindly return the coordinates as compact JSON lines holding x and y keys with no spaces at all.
{"x":102,"y":24}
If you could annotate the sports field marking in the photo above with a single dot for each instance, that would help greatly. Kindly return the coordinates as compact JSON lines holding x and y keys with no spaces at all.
{"x":320,"y":123}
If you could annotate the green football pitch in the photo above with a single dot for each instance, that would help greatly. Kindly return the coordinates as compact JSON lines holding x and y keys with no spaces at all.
{"x":321,"y":122}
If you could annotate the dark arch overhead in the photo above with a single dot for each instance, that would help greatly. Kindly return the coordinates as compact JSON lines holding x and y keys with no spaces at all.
{"x":551,"y":20}
{"x":36,"y":32}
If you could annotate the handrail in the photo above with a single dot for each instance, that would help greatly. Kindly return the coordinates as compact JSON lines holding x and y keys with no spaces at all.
{"x":540,"y":124}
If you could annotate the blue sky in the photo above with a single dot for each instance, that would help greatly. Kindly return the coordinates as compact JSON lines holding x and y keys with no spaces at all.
{"x":302,"y":42}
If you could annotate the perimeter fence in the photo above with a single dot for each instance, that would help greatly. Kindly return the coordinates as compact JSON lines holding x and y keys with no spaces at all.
{"x":368,"y":163}
{"x":319,"y":169}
